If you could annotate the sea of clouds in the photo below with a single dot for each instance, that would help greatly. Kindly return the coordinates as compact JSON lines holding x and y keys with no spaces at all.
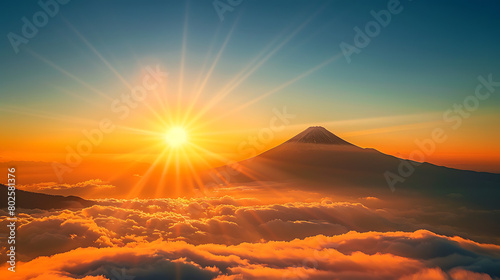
{"x":240,"y":238}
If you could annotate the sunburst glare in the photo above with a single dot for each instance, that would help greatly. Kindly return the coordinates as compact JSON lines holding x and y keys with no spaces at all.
{"x":176,"y":137}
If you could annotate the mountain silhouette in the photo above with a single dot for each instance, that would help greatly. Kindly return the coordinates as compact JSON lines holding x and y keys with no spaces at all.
{"x":318,"y":135}
{"x":33,"y":200}
{"x":318,"y":159}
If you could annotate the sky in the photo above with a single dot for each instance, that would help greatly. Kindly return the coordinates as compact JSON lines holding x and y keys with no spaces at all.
{"x":120,"y":102}
{"x":231,"y":72}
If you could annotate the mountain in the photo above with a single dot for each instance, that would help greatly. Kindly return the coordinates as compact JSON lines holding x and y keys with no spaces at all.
{"x":318,"y":159}
{"x":318,"y":135}
{"x":32,"y":200}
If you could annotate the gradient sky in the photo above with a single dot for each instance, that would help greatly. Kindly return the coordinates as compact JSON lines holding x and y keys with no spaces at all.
{"x":395,"y":91}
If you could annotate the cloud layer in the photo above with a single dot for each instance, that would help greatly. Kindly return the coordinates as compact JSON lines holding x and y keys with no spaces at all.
{"x":239,"y":238}
{"x":88,"y":187}
{"x":371,"y":255}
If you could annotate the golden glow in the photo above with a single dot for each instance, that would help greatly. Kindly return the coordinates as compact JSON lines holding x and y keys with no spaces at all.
{"x":179,"y":131}
{"x":176,"y":137}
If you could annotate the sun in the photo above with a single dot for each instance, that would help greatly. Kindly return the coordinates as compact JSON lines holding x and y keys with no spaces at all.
{"x":176,"y":137}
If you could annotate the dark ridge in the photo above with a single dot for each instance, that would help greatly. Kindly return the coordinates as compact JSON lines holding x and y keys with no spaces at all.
{"x":316,"y":158}
{"x":318,"y":135}
{"x":32,"y":200}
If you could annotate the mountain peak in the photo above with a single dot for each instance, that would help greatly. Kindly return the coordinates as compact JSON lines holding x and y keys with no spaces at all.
{"x":318,"y":135}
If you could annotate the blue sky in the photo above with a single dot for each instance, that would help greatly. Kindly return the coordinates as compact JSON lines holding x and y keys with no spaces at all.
{"x":429,"y":50}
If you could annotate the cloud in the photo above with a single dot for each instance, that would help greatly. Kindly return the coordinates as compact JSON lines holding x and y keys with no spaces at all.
{"x":230,"y":238}
{"x":210,"y":220}
{"x":223,"y":220}
{"x":317,"y":257}
{"x":86,"y":188}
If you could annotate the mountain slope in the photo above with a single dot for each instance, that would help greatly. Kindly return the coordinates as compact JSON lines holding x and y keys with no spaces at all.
{"x":318,"y":135}
{"x":316,"y":158}
{"x":32,"y":200}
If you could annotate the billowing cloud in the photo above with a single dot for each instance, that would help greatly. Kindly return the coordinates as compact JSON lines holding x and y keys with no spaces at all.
{"x":234,"y":238}
{"x":86,"y":188}
{"x":222,"y":220}
{"x":400,"y":255}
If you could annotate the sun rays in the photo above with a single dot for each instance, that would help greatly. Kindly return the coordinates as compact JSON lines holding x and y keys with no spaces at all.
{"x":177,"y":126}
